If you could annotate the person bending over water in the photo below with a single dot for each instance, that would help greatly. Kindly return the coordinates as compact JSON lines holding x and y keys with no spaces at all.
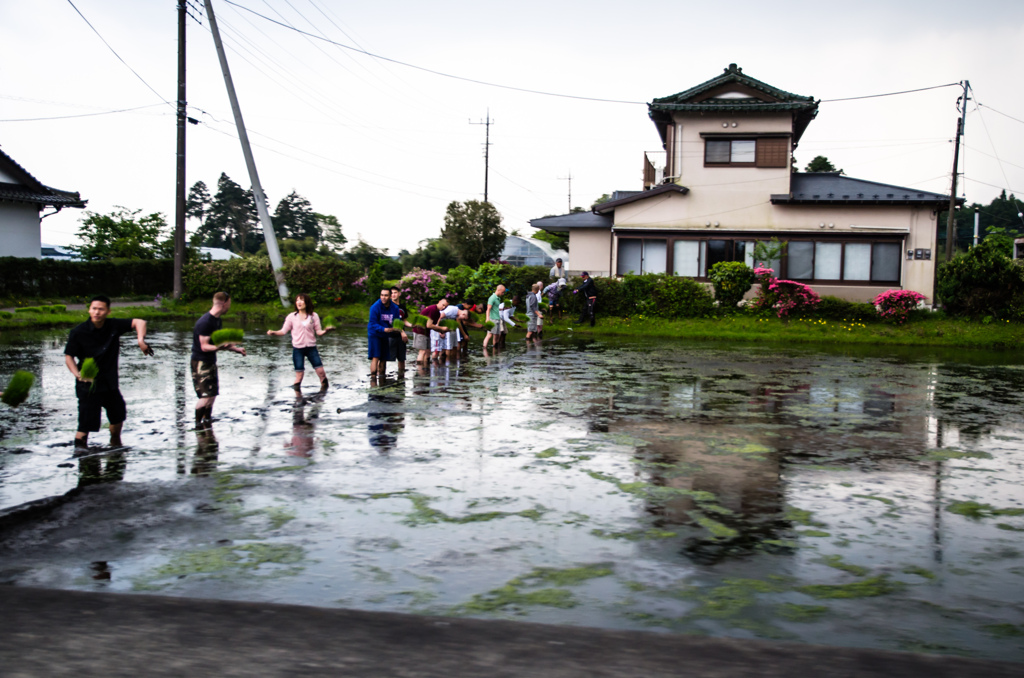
{"x":305,"y":327}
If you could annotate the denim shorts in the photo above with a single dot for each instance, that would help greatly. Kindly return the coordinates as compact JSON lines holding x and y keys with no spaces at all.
{"x":300,"y":354}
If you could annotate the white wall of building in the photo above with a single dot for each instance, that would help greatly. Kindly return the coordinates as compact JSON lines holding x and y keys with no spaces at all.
{"x":19,"y":230}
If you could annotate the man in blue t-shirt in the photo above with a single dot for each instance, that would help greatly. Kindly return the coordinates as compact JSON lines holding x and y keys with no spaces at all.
{"x":204,"y":358}
{"x":99,"y":338}
{"x":378,"y":330}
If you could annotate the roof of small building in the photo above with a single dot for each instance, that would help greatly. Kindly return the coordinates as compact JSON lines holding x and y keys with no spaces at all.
{"x":633,"y":196}
{"x":760,"y":98}
{"x":833,"y":188}
{"x":563,"y":222}
{"x":31,"y":190}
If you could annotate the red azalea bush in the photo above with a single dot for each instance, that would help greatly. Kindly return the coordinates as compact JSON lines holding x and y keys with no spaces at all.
{"x":785,"y":297}
{"x":896,"y":305}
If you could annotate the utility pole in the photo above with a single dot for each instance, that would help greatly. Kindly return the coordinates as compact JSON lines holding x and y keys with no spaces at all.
{"x":951,"y":221}
{"x":179,"y":197}
{"x":487,"y":147}
{"x":254,"y":177}
{"x":977,"y":217}
{"x":569,"y":179}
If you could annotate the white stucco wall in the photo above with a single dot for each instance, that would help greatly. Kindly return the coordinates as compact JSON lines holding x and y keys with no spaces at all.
{"x":589,"y":250}
{"x":19,"y":230}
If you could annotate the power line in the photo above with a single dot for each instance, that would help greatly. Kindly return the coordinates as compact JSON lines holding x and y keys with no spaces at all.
{"x":429,"y":70}
{"x":890,"y":94}
{"x":80,"y":115}
{"x":143,"y":80}
{"x":1000,"y":113}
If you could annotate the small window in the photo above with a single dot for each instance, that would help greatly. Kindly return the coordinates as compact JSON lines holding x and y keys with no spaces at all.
{"x":885,"y":262}
{"x":762,"y":152}
{"x":743,"y":151}
{"x":801,"y":260}
{"x":717,"y":152}
{"x":828,"y":260}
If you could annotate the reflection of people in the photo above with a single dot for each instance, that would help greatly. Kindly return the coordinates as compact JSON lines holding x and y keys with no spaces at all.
{"x":378,"y":330}
{"x":99,"y":338}
{"x":302,"y":441}
{"x":207,"y":451}
{"x":305,"y":327}
{"x":494,"y":315}
{"x":385,"y":421}
{"x":589,"y":291}
{"x":204,"y":357}
{"x":92,"y":470}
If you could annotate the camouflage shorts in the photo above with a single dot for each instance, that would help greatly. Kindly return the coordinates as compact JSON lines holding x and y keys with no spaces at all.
{"x":204,"y":379}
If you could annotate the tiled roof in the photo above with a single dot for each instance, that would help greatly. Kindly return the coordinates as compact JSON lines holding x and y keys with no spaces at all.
{"x":763,"y":99}
{"x":639,"y":195}
{"x":31,"y":190}
{"x":808,"y":188}
{"x":563,"y":222}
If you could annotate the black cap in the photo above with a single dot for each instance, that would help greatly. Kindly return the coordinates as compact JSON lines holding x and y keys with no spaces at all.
{"x":585,"y":274}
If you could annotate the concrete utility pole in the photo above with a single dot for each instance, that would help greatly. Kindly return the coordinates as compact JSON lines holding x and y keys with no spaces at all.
{"x":257,"y":188}
{"x":951,"y":221}
{"x":569,"y":179}
{"x":487,"y":148}
{"x":977,"y":216}
{"x":179,"y":197}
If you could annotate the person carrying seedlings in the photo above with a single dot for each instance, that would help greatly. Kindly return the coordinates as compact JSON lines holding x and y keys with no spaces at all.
{"x":379,"y":328}
{"x":433,"y":315}
{"x":204,"y":357}
{"x":398,"y":340}
{"x":304,"y":324}
{"x":494,"y":315}
{"x":95,"y":344}
{"x":533,"y":314}
{"x":589,"y":291}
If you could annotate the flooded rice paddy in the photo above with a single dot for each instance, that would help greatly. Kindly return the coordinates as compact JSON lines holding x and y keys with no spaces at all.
{"x":850,"y":498}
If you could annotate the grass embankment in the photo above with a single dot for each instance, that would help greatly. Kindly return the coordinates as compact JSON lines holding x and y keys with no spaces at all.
{"x":174,"y":310}
{"x":931,"y":330}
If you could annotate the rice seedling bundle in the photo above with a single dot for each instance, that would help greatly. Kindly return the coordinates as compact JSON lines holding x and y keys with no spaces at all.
{"x":89,"y":369}
{"x":18,"y":387}
{"x":228,"y":336}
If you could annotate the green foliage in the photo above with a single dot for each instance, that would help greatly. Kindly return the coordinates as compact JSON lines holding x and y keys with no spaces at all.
{"x":122,"y":234}
{"x":294,"y":219}
{"x":731,"y":280}
{"x":29,"y":309}
{"x":231,"y":221}
{"x":834,"y":308}
{"x":560,"y":241}
{"x":681,"y":298}
{"x":821,"y":164}
{"x":1001,"y":212}
{"x":433,"y":255}
{"x":329,"y":321}
{"x":6,"y":315}
{"x":375,"y":279}
{"x":473,"y":229}
{"x":769,"y":253}
{"x":326,"y":280}
{"x":650,"y":295}
{"x":18,"y":387}
{"x":22,"y":277}
{"x":1001,"y":239}
{"x":89,"y":369}
{"x":330,"y":232}
{"x":227,"y":336}
{"x":398,"y":324}
{"x":982,"y":282}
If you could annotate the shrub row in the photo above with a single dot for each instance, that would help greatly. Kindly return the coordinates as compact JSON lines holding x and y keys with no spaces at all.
{"x":24,"y":277}
{"x":982,"y":282}
{"x":251,"y":279}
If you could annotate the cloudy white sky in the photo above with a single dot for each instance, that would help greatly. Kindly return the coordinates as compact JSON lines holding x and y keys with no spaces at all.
{"x":385,"y":147}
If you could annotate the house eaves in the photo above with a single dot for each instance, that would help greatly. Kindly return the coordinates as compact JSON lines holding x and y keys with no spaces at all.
{"x":563,"y":222}
{"x":31,"y":190}
{"x":642,"y":195}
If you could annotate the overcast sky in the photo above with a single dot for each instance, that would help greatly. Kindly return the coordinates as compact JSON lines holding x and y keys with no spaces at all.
{"x":385,"y":147}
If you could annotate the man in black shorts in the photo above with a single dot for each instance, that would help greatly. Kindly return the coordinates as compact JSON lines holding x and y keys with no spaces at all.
{"x":99,"y":338}
{"x":204,"y":358}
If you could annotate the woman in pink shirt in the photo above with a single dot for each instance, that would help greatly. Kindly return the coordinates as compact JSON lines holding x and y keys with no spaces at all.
{"x":304,"y":325}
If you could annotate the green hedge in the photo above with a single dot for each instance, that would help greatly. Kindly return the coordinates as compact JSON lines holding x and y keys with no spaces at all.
{"x":325,"y":280}
{"x":24,"y":277}
{"x":661,"y":296}
{"x":982,"y":282}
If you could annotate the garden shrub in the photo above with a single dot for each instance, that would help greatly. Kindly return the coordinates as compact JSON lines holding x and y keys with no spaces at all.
{"x":23,"y":277}
{"x":731,"y":281}
{"x":981,"y":282}
{"x":834,"y":308}
{"x":422,"y":287}
{"x":251,"y":279}
{"x":29,"y":309}
{"x":895,"y":305}
{"x":682,"y":298}
{"x":6,"y":315}
{"x":787,"y":297}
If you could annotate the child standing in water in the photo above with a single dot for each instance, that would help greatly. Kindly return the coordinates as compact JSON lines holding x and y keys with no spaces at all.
{"x":304,"y":325}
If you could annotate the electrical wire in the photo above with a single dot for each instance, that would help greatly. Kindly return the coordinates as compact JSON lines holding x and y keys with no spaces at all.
{"x":143,"y":80}
{"x":80,"y":115}
{"x":998,"y":160}
{"x":890,"y":94}
{"x":995,"y":111}
{"x":432,"y":71}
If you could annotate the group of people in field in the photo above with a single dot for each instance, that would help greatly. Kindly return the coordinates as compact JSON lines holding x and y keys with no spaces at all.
{"x":388,"y":330}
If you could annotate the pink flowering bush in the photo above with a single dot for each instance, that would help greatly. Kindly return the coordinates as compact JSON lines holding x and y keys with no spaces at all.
{"x":360,"y":284}
{"x":785,"y":297}
{"x":896,"y":305}
{"x":422,"y":287}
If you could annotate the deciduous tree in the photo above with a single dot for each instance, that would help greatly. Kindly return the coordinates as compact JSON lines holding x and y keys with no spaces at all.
{"x":122,"y":234}
{"x":473,"y":229}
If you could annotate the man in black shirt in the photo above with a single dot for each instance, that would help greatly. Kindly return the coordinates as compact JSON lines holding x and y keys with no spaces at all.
{"x":204,"y":357}
{"x":589,"y":291}
{"x":99,"y":338}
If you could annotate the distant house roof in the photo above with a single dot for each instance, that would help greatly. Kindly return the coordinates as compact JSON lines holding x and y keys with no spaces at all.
{"x":218,"y":253}
{"x":563,"y":222}
{"x":832,"y":188}
{"x":734,"y":92}
{"x":30,"y":190}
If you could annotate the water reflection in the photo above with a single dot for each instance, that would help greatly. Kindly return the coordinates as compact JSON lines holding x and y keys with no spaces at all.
{"x":105,"y":467}
{"x":385,"y":415}
{"x":303,"y":424}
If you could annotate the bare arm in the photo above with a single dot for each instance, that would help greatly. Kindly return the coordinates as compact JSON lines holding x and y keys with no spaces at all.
{"x":72,"y":367}
{"x":139,"y":325}
{"x":206,"y":347}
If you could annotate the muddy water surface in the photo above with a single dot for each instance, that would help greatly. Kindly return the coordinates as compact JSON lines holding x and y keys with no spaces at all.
{"x":849,"y":498}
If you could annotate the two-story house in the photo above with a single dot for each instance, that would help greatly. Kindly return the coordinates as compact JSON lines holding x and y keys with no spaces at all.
{"x":728,"y":182}
{"x":22,"y":199}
